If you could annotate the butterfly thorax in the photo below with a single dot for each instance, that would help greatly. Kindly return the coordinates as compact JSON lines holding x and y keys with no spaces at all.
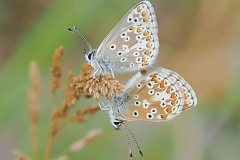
{"x":105,"y":64}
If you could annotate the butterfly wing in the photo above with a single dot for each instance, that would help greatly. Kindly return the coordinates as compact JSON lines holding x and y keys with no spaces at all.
{"x":133,"y":43}
{"x":159,"y":96}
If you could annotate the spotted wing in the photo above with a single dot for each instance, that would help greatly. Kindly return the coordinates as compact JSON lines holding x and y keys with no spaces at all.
{"x":133,"y":43}
{"x":160,"y":96}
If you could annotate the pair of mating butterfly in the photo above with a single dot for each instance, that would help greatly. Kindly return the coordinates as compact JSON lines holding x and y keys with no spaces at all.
{"x":133,"y":45}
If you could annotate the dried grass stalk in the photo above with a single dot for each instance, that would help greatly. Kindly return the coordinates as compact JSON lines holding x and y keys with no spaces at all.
{"x":79,"y":145}
{"x":33,"y":102}
{"x":79,"y":116}
{"x":103,"y":85}
{"x":56,"y":69}
{"x":19,"y":156}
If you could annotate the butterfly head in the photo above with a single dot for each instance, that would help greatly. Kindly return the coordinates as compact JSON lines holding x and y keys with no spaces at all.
{"x":89,"y":55}
{"x":114,"y":120}
{"x":116,"y":123}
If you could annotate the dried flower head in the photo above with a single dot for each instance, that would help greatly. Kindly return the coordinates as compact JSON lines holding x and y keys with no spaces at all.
{"x":103,"y":85}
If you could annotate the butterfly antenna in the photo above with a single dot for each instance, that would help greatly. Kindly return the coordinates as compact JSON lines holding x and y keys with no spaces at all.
{"x":80,"y":35}
{"x":135,"y":140}
{"x":129,"y":143}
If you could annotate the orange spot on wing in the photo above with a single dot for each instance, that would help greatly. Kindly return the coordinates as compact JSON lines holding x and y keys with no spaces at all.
{"x":154,"y":78}
{"x":132,"y":28}
{"x":164,"y":116}
{"x":149,"y":39}
{"x":147,"y":53}
{"x":145,"y":19}
{"x":149,"y":45}
{"x":144,"y":14}
{"x":174,"y":96}
{"x":168,"y":89}
{"x":139,"y":30}
{"x":185,"y":96}
{"x":144,"y":61}
{"x":185,"y":105}
{"x":145,"y":33}
{"x":162,"y":84}
{"x":169,"y":110}
{"x":139,"y":9}
{"x":174,"y":101}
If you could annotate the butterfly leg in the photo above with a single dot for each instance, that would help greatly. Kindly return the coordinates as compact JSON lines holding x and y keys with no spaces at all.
{"x":112,"y":72}
{"x":100,"y":68}
{"x":102,"y":106}
{"x":94,"y":75}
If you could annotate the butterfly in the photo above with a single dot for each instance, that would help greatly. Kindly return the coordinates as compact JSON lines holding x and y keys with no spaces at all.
{"x":131,"y":45}
{"x":158,"y":96}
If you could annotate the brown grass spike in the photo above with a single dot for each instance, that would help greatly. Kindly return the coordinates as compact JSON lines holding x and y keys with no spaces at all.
{"x":56,"y":69}
{"x":33,"y":103}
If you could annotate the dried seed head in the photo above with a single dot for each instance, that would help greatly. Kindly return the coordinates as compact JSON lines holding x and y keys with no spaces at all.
{"x":103,"y":85}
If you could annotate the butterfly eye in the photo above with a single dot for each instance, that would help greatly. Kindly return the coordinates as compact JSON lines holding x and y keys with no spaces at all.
{"x":116,"y":123}
{"x":90,"y":56}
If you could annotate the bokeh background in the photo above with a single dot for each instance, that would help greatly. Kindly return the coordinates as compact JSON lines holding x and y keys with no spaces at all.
{"x":200,"y":39}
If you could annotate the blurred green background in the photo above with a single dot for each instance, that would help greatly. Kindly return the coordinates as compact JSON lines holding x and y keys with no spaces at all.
{"x":200,"y":39}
